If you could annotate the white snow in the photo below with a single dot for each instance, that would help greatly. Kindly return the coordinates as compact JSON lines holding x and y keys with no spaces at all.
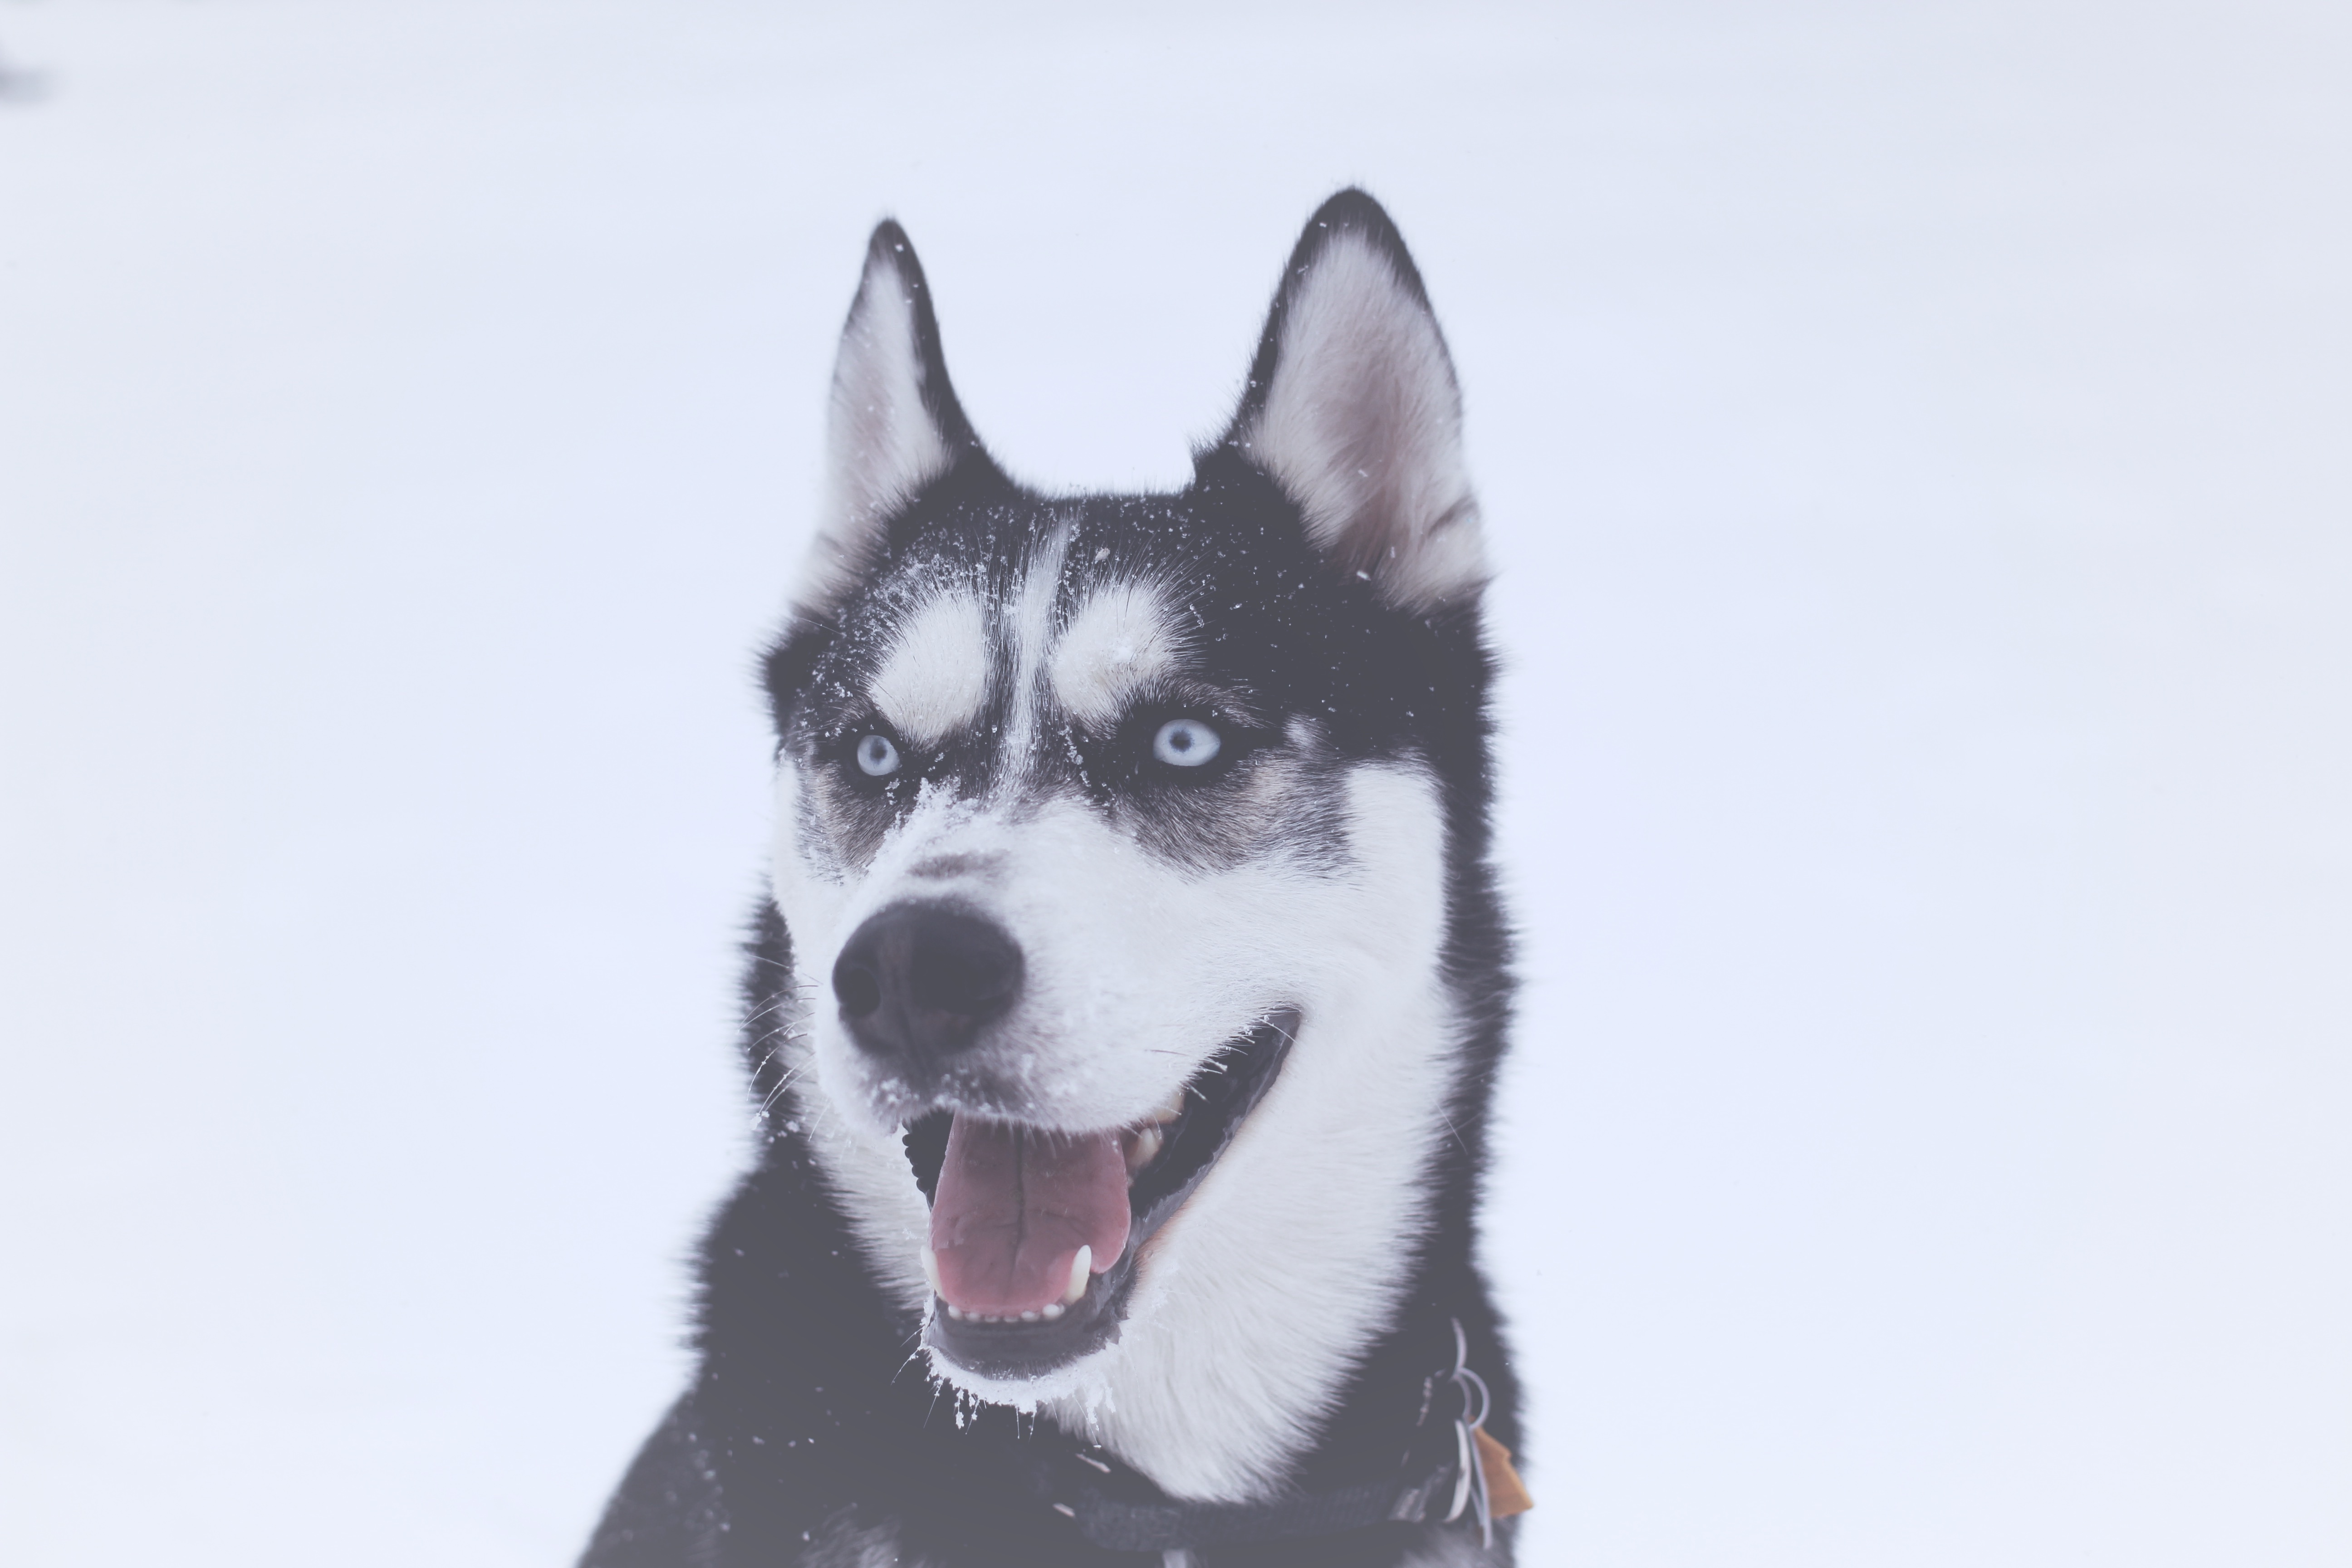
{"x":1915,"y":444}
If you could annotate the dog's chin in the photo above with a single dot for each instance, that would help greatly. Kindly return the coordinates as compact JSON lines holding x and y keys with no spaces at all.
{"x":1019,"y":1357}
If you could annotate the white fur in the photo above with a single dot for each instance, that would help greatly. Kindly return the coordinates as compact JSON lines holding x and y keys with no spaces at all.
{"x":1121,"y":640}
{"x":1249,"y":1305}
{"x":881,"y":443}
{"x":1032,"y":620}
{"x":1362,"y":426}
{"x":935,"y":677}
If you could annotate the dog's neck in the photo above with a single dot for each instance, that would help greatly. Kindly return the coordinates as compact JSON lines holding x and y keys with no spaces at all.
{"x":1402,"y":1449}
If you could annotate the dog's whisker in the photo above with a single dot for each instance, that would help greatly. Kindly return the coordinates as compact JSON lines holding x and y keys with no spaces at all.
{"x":1454,"y":1131}
{"x":777,"y":1093}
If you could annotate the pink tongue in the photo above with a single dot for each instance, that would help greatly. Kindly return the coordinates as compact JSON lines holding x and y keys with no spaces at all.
{"x":1013,"y":1208}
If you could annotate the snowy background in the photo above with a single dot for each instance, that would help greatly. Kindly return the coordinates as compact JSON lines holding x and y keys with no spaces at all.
{"x":1917,"y":440}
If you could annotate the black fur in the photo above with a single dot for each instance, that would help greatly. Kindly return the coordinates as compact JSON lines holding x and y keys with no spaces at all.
{"x":811,"y":1418}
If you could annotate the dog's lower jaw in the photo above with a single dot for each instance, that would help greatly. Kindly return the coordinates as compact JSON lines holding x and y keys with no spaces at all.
{"x":1213,"y":1394}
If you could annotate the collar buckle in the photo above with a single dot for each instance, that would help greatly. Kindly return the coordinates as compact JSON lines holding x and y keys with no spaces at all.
{"x":1470,"y":1470}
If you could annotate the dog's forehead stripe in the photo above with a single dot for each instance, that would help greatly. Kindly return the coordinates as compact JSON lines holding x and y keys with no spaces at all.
{"x":934,"y":679}
{"x":1028,"y":623}
{"x":1118,"y":641}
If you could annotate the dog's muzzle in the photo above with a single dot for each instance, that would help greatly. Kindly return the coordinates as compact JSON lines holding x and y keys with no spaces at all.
{"x":1034,"y":1233}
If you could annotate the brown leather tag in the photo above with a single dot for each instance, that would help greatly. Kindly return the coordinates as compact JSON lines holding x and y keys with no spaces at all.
{"x":1505,"y":1494}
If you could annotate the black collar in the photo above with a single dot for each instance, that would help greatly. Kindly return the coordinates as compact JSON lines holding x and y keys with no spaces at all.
{"x":1437,"y":1478}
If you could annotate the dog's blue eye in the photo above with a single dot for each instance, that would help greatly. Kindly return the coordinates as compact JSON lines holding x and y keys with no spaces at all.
{"x":1186,"y":743}
{"x":876,"y":757}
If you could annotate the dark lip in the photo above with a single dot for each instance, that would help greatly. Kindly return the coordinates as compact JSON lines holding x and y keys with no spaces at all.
{"x":1221,"y":1096}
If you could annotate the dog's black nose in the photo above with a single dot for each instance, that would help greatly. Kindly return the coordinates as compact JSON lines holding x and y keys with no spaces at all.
{"x":917,"y":981}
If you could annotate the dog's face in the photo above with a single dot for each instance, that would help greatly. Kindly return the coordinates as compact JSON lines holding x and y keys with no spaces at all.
{"x":1113,"y":842}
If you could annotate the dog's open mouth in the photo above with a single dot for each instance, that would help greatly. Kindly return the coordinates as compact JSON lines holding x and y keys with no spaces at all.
{"x":1035,"y":1235}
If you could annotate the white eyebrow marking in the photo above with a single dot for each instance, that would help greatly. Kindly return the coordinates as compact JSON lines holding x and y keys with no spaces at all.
{"x":1119,"y":641}
{"x":936,"y":677}
{"x":1031,"y":620}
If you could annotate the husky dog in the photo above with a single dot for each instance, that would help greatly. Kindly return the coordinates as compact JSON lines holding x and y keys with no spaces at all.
{"x":1126,"y":1014}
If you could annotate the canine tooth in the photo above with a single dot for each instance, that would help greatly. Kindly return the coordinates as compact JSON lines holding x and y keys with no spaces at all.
{"x":1144,"y":1150}
{"x":955,"y":1312}
{"x":1173,"y":1109}
{"x":931,"y":1271}
{"x":1081,"y":1267}
{"x":1052,"y":1310}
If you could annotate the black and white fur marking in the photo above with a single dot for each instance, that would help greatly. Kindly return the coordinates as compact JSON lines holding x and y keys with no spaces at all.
{"x":1188,"y":795}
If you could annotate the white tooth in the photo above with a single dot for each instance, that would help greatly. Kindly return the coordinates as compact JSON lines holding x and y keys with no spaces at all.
{"x":1081,"y":1267}
{"x":931,"y":1271}
{"x":1053,"y":1310}
{"x":1173,"y":1109}
{"x":1144,"y":1150}
{"x":1028,"y":1317}
{"x":955,"y":1312}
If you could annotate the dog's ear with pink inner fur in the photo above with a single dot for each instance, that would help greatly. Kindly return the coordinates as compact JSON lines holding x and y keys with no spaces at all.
{"x":893,"y":425}
{"x":1352,"y":408}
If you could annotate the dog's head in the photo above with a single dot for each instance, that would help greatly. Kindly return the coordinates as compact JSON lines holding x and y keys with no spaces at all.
{"x":1116,"y":840}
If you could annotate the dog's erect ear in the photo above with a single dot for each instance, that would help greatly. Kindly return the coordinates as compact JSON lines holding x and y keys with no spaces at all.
{"x":1351,"y":407}
{"x":895,"y":425}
